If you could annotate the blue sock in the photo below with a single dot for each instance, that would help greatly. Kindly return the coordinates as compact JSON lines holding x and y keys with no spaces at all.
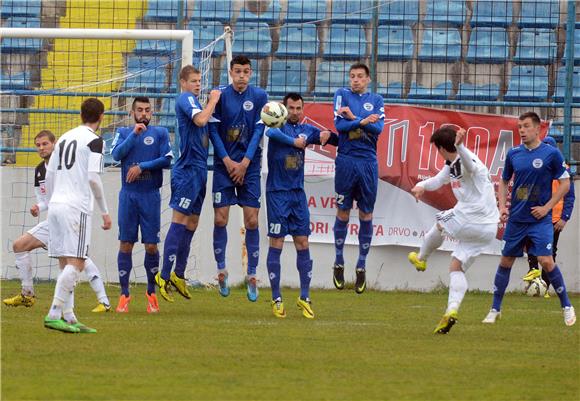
{"x":365,"y":236}
{"x":502,"y":279}
{"x":220,"y":242}
{"x":558,"y":283}
{"x":183,"y":253}
{"x":304,"y":265}
{"x":172,"y":241}
{"x":339,"y":237}
{"x":273,"y":265}
{"x":151,"y":264}
{"x":253,"y":247}
{"x":125,"y":264}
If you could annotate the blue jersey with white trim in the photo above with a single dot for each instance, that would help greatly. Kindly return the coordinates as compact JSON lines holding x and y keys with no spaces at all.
{"x":194,"y":140}
{"x":353,"y":139}
{"x":533,"y":171}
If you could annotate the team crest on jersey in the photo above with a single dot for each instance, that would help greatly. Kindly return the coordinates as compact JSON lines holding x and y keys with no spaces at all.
{"x":191,"y":101}
{"x":368,"y":106}
{"x":248,"y":105}
{"x":148,"y":140}
{"x":537,"y":163}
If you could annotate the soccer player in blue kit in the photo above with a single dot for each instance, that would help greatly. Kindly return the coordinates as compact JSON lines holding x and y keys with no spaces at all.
{"x":286,"y":200}
{"x":188,"y":181}
{"x":359,"y":118}
{"x":236,"y":136}
{"x":533,"y":165}
{"x":144,"y":151}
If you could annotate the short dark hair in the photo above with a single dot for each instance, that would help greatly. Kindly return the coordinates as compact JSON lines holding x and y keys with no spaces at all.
{"x":360,"y":66}
{"x":241,"y":60}
{"x":293,"y":96}
{"x":187,"y":71}
{"x":91,"y":110}
{"x":530,"y":114}
{"x":444,"y":138}
{"x":140,"y":99}
{"x":46,"y":133}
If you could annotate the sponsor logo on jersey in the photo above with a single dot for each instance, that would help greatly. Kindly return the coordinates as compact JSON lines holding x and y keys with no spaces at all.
{"x":248,"y":105}
{"x":148,"y":140}
{"x":537,"y":163}
{"x":368,"y":106}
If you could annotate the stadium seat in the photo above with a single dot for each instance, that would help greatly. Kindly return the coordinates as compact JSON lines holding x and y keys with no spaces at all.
{"x":298,"y":41}
{"x":212,"y":10}
{"x":163,"y":10}
{"x":15,"y":81}
{"x":536,"y":46}
{"x":252,"y":40}
{"x":558,"y":135}
{"x":488,"y":46}
{"x":394,"y":90}
{"x":270,"y":16}
{"x":492,"y":13}
{"x":148,"y":74}
{"x":528,"y":83}
{"x":576,"y":48}
{"x":348,"y":42}
{"x":352,"y":11}
{"x":306,"y":11}
{"x":401,"y":12}
{"x":155,"y":47}
{"x":561,"y":82}
{"x":474,"y":92}
{"x":539,"y":14}
{"x":20,"y":8}
{"x":396,"y":43}
{"x":330,"y":76}
{"x":449,"y":12}
{"x":21,"y":45}
{"x":441,"y":91}
{"x":287,"y":76}
{"x":205,"y":33}
{"x":169,"y":122}
{"x":440,"y":45}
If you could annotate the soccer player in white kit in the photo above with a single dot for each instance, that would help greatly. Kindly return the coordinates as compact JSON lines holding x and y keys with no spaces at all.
{"x":37,"y":237}
{"x":473,"y":221}
{"x":73,"y":184}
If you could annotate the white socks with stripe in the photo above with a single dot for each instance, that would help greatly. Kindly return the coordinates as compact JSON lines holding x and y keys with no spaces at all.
{"x":457,"y":290}
{"x":433,"y":240}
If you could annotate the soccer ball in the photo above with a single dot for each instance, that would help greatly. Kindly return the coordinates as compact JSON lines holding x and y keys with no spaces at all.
{"x":536,"y":288}
{"x":274,"y":114}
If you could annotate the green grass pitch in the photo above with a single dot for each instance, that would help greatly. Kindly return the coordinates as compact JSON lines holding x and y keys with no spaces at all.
{"x":375,"y":346}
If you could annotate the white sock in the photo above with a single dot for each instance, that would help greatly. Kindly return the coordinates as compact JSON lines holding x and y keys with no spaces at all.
{"x":65,"y":285}
{"x":95,"y":280}
{"x":457,"y":289}
{"x":68,"y":309}
{"x":25,"y":269}
{"x":433,"y":240}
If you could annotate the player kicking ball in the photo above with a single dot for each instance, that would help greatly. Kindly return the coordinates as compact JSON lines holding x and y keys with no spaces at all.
{"x":473,"y":221}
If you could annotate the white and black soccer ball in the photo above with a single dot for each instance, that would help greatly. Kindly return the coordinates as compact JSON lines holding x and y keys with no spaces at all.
{"x":274,"y":114}
{"x":536,"y":288}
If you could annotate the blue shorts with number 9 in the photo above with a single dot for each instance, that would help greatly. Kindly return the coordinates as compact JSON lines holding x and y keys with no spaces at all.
{"x":356,"y":179}
{"x":188,"y":189}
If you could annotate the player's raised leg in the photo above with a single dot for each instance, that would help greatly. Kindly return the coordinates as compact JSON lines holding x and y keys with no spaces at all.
{"x":22,"y":247}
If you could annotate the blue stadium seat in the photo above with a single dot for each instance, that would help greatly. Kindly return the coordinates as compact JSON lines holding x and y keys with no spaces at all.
{"x":440,"y":45}
{"x":401,"y":12}
{"x":450,"y":12}
{"x":396,"y":43}
{"x":252,"y":40}
{"x":155,"y":47}
{"x":393,"y":90}
{"x":330,"y":76}
{"x":270,"y":16}
{"x":352,"y":11}
{"x":556,"y":132}
{"x":212,"y":10}
{"x":539,"y":14}
{"x":287,"y":76}
{"x":136,"y":63}
{"x":441,"y":91}
{"x":150,"y":74}
{"x":21,"y":45}
{"x":204,"y":33}
{"x":20,"y":8}
{"x":528,"y":83}
{"x":163,"y":10}
{"x":298,"y":41}
{"x":561,"y":82}
{"x":488,"y":46}
{"x":345,"y":42}
{"x":169,"y":122}
{"x":306,"y":11}
{"x":254,"y":80}
{"x":474,"y":92}
{"x":576,"y":48}
{"x":15,"y":81}
{"x":536,"y":46}
{"x":492,"y":13}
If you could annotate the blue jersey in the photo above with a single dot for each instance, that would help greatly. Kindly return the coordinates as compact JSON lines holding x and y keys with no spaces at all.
{"x":237,"y":128}
{"x":353,"y":139}
{"x":286,"y":162}
{"x":533,"y":171}
{"x":151,"y":150}
{"x":193,"y":140}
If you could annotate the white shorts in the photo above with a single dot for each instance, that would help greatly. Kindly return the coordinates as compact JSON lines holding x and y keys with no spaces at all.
{"x":40,"y":232}
{"x":473,"y":238}
{"x":70,"y":232}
